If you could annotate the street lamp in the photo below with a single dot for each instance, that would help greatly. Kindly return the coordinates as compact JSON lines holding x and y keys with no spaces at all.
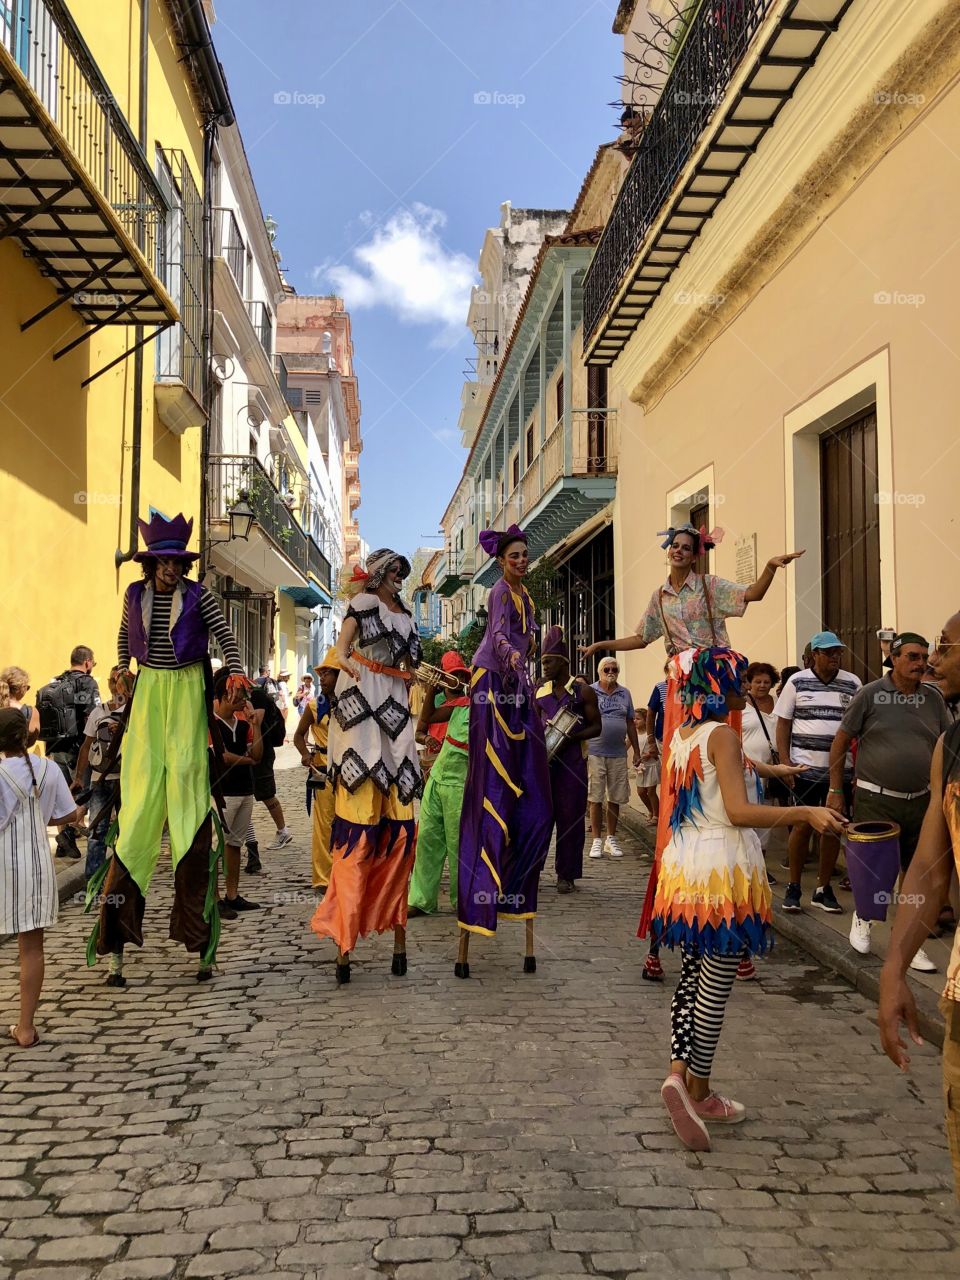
{"x":241,"y":516}
{"x":482,"y":616}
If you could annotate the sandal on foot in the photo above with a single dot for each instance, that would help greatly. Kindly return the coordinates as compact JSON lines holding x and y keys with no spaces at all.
{"x":16,"y":1039}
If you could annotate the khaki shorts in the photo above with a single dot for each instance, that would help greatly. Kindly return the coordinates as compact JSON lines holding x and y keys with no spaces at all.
{"x":237,"y":812}
{"x":607,"y":780}
{"x":951,"y":1082}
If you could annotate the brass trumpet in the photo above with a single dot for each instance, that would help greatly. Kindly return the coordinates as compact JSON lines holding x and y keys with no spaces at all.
{"x":436,"y":678}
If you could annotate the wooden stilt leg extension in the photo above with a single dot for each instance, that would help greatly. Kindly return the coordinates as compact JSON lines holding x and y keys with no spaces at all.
{"x":529,"y":960}
{"x":462,"y":968}
{"x":343,"y":967}
{"x":399,"y":965}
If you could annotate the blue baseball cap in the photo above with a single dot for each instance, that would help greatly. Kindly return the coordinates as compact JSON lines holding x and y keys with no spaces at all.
{"x":826,"y":640}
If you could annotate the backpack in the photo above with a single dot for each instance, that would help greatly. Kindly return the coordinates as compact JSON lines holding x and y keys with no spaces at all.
{"x":63,"y":706}
{"x":103,"y":740}
{"x":273,"y":730}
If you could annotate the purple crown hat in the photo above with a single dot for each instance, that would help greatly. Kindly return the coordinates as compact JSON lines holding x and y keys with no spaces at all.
{"x":492,"y":539}
{"x":554,"y":643}
{"x":166,"y":538}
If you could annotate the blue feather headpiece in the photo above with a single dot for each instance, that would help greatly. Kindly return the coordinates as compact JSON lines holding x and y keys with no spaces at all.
{"x":704,"y":678}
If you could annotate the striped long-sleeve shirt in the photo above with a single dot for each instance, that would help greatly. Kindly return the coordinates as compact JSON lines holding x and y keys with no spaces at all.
{"x":159,"y":645}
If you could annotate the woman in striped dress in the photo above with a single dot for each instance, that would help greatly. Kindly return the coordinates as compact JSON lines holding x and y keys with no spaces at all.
{"x":33,"y":793}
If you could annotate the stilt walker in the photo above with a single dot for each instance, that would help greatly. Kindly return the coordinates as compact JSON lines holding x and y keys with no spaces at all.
{"x":505,"y":825}
{"x":568,"y":765}
{"x":689,"y":611}
{"x":166,"y":626}
{"x":438,"y":831}
{"x":373,"y":763}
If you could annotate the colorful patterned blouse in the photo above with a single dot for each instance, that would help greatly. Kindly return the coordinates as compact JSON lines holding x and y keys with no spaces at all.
{"x":687,"y":615}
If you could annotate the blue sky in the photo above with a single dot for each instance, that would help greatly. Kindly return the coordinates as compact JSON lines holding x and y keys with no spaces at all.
{"x":382,"y":171}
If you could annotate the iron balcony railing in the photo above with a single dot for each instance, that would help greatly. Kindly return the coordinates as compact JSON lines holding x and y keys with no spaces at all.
{"x":714,"y":47}
{"x":230,"y":474}
{"x":45,"y":43}
{"x":230,"y":246}
{"x":262,"y":322}
{"x":318,"y":563}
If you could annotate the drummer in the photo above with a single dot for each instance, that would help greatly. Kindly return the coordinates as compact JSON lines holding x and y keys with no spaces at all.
{"x":568,"y":766}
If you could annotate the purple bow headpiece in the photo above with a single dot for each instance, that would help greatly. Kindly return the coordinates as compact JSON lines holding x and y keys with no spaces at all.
{"x":707,"y":541}
{"x":493,"y":540}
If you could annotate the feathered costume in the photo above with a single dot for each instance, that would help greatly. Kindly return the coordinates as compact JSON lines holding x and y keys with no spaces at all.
{"x":712,"y":893}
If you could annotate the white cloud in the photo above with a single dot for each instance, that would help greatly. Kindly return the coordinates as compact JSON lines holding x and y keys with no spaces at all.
{"x":405,"y":267}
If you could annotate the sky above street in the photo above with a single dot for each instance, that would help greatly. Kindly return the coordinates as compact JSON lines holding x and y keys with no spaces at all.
{"x":383,"y":136}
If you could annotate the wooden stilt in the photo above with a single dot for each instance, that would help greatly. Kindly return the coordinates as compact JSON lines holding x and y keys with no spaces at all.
{"x":398,"y":966}
{"x":462,"y":968}
{"x":529,"y":959}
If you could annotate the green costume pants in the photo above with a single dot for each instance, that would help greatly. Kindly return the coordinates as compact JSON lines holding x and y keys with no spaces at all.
{"x":164,"y":778}
{"x":438,"y":840}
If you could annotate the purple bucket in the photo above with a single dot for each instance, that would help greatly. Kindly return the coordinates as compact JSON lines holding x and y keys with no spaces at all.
{"x":872,"y":854}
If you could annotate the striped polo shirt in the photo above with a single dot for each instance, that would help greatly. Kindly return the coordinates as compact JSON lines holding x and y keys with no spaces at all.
{"x":816,"y":710}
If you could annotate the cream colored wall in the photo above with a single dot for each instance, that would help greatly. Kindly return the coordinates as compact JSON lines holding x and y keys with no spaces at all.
{"x":816,"y":330}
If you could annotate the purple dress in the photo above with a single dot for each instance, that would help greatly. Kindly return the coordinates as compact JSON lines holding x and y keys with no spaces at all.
{"x":507,"y":810}
{"x":568,"y":782}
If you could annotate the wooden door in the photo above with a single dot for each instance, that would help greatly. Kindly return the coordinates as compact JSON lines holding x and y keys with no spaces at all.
{"x":850,"y":540}
{"x":700,"y":518}
{"x":596,"y":419}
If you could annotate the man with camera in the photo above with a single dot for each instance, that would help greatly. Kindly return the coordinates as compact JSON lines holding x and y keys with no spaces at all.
{"x":896,"y":722}
{"x":64,"y":706}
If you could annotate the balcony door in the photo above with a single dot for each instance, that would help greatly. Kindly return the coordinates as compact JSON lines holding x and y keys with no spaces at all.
{"x":596,"y":419}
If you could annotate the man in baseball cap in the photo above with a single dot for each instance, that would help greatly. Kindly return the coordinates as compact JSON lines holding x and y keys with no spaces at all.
{"x":896,"y":721}
{"x":809,"y":711}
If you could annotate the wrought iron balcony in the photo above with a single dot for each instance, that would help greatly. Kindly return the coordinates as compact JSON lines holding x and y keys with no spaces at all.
{"x":231,"y":247}
{"x":262,"y":322}
{"x":318,"y":564}
{"x":228,"y":475}
{"x":656,"y":216}
{"x":76,"y":188}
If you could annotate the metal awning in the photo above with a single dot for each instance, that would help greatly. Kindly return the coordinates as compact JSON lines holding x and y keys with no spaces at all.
{"x":568,"y":504}
{"x":307,"y":597}
{"x":76,"y":190}
{"x":698,"y":139}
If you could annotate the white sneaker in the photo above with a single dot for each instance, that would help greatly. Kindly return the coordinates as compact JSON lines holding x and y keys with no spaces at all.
{"x":596,"y":849}
{"x":860,"y":934}
{"x":283,"y":837}
{"x":613,"y":847}
{"x":922,"y":963}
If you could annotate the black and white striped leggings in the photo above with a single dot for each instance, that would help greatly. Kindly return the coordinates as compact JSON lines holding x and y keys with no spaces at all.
{"x":698,"y":1006}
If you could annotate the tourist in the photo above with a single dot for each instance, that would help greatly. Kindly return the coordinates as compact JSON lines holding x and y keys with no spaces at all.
{"x":609,"y":783}
{"x":103,"y":724}
{"x":14,"y":687}
{"x":311,"y":740}
{"x":648,"y":776}
{"x":240,"y":730}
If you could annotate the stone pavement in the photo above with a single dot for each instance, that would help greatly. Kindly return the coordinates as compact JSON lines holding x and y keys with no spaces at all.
{"x":423,"y":1127}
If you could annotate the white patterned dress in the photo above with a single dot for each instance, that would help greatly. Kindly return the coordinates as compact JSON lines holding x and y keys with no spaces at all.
{"x":28,"y":879}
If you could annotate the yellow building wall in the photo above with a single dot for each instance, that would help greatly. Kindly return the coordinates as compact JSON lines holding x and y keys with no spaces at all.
{"x":65,"y":472}
{"x":877,"y":281}
{"x":285,"y":637}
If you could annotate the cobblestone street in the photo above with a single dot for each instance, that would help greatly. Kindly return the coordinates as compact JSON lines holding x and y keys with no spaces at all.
{"x":508,"y":1126}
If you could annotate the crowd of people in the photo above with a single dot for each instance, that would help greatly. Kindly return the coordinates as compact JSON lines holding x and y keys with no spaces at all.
{"x":720,"y":761}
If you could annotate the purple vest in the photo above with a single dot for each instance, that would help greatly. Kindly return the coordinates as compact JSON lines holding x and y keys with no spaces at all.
{"x":189,"y":634}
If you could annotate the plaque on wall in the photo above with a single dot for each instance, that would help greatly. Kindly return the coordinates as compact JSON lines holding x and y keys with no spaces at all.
{"x":746,"y":547}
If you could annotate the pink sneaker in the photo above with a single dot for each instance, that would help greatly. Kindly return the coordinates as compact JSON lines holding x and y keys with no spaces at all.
{"x":687,"y":1125}
{"x":716,"y":1109}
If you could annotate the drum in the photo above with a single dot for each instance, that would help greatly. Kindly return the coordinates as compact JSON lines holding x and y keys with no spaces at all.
{"x":557,"y":730}
{"x":872,"y":853}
